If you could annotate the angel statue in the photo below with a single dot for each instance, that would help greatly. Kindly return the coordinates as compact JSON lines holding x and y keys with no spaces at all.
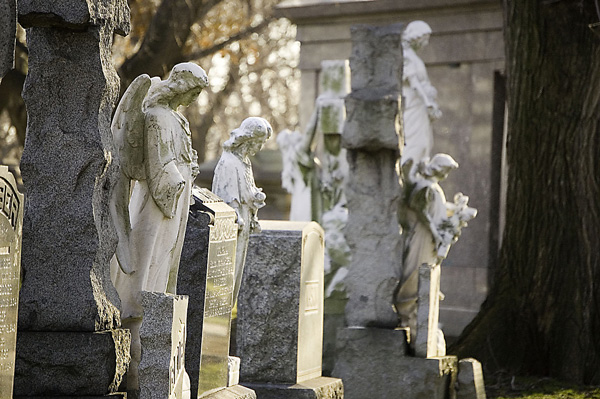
{"x":154,"y":148}
{"x":430,"y":226}
{"x":150,"y":202}
{"x":420,"y":106}
{"x":233,"y":182}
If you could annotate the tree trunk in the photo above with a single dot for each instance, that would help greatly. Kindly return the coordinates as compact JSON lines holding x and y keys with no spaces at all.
{"x":543,"y":312}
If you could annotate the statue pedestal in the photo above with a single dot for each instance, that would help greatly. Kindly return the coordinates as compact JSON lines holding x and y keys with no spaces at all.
{"x":373,"y":363}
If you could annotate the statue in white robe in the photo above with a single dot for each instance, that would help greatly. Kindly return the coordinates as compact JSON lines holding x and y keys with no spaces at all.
{"x":420,"y":106}
{"x":233,"y":182}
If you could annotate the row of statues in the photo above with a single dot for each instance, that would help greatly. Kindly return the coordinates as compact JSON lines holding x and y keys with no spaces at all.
{"x":315,"y":169}
{"x":430,"y":223}
{"x":153,"y":193}
{"x":158,"y":166}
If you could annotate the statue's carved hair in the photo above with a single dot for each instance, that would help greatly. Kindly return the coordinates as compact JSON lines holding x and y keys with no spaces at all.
{"x":414,"y":30}
{"x":183,"y":78}
{"x":250,"y":129}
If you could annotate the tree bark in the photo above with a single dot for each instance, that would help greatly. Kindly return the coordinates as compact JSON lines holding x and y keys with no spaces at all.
{"x":543,"y":313}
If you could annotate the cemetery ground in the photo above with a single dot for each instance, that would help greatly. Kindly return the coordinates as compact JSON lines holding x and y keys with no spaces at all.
{"x":502,"y":385}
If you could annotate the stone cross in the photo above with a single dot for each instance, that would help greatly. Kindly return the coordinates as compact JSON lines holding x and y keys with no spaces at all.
{"x":68,"y":237}
{"x":11,"y":224}
{"x":372,"y":139}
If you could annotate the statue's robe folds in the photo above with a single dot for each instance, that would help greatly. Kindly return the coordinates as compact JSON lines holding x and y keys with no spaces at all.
{"x":158,"y":209}
{"x":234,"y":183}
{"x":418,"y":132}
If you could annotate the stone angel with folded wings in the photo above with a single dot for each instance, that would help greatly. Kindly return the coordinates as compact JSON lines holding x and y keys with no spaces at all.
{"x":151,"y":199}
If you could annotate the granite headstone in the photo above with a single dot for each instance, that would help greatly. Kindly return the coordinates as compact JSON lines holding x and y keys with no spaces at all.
{"x":163,"y":334}
{"x":280,"y":313}
{"x":277,"y":343}
{"x":11,"y":223}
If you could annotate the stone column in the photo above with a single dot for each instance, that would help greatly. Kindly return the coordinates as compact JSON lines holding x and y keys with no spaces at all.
{"x":372,"y":139}
{"x":372,"y":136}
{"x":67,"y":300}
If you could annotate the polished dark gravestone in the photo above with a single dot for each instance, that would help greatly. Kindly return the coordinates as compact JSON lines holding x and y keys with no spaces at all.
{"x":206,"y":274}
{"x":11,"y":223}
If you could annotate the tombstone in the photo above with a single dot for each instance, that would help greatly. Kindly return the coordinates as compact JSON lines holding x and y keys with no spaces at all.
{"x":469,"y":383}
{"x":207,"y":277}
{"x":8,"y":31}
{"x":427,"y":342}
{"x":163,"y":334}
{"x":373,"y":138}
{"x":280,"y":313}
{"x":68,"y":308}
{"x":11,"y":224}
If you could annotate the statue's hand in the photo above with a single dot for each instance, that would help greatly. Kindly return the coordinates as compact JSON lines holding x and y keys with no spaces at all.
{"x":195,"y":169}
{"x":241,"y":222}
{"x":434,"y":112}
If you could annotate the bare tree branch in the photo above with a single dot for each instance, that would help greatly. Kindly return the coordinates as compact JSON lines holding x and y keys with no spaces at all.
{"x":234,"y":38}
{"x":162,"y":46}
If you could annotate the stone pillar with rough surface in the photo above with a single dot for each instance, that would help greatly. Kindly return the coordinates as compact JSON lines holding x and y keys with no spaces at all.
{"x":163,"y":334}
{"x":372,"y":138}
{"x":67,"y":300}
{"x":8,"y":29}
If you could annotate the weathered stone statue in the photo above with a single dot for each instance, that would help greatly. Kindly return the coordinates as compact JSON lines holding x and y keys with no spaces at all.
{"x":151,"y":200}
{"x":430,"y":226}
{"x":234,"y":183}
{"x":316,"y":170}
{"x":420,"y":107}
{"x":320,"y":155}
{"x":155,"y":151}
{"x":292,"y":179}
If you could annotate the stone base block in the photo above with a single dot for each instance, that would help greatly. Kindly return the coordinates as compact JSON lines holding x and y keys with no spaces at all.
{"x":373,"y":364}
{"x":234,"y":392}
{"x":316,"y":388}
{"x":70,"y":364}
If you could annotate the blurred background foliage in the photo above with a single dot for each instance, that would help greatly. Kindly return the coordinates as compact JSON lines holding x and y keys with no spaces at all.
{"x":249,"y":55}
